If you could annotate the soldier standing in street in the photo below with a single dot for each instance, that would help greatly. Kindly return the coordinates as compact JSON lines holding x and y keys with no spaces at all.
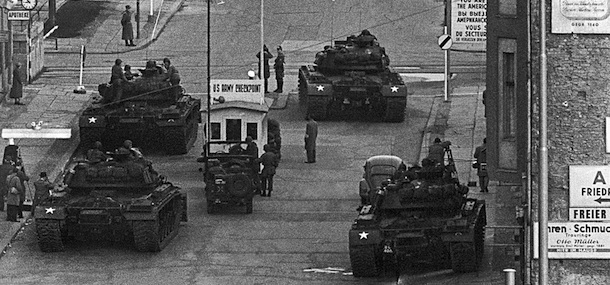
{"x":23,"y":178}
{"x":311,"y":134}
{"x":480,"y":154}
{"x":267,"y":56}
{"x":5,"y":169}
{"x":270,"y":162}
{"x":117,"y":78}
{"x":13,"y":197}
{"x":127,"y":33}
{"x":279,"y":70}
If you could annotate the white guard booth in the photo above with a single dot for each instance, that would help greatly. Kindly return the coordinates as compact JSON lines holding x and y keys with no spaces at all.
{"x":238,"y":109}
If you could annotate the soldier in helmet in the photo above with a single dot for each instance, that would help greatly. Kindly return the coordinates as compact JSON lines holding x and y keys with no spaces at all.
{"x":96,"y":153}
{"x":270,"y":162}
{"x":117,"y":78}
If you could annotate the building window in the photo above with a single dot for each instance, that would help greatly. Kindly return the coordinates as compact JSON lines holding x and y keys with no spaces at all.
{"x":20,"y":47}
{"x":233,"y":130}
{"x":215,"y":128}
{"x":252,"y":130}
{"x":507,"y":7}
{"x":507,"y":78}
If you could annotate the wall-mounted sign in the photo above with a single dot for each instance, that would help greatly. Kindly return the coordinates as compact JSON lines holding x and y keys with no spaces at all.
{"x":580,"y":17}
{"x":576,"y":240}
{"x":469,"y":25}
{"x":245,"y":90}
{"x":18,"y":15}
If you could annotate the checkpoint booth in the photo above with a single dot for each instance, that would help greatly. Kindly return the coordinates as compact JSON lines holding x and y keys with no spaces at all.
{"x":238,"y":109}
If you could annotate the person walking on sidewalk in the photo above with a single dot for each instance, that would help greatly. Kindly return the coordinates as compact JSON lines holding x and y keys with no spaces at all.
{"x":311,"y":134}
{"x":5,"y":170}
{"x":264,"y":73}
{"x":480,"y":154}
{"x":127,"y":34}
{"x":13,"y":197}
{"x":17,"y":88}
{"x":270,"y":162}
{"x":279,"y":70}
{"x":23,"y":178}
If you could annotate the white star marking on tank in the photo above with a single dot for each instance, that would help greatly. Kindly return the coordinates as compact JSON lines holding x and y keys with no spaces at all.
{"x":92,"y":120}
{"x":394,"y":88}
{"x":320,"y":88}
{"x":50,"y":210}
{"x":364,"y":235}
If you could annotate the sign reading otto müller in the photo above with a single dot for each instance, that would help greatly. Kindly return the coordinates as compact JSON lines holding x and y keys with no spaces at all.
{"x":576,"y":240}
{"x":580,"y":17}
{"x":589,"y":192}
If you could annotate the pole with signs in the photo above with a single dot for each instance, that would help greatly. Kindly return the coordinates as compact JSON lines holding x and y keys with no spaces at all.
{"x":81,"y":89}
{"x":209,"y":99}
{"x":261,"y":71}
{"x":445,"y":42}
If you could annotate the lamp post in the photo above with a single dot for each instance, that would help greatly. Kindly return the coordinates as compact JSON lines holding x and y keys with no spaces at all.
{"x":261,"y":72}
{"x":208,"y":123}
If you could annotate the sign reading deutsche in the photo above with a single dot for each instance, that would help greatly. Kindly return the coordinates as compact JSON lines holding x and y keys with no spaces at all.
{"x":576,"y":240}
{"x":580,"y":17}
{"x":469,"y":25}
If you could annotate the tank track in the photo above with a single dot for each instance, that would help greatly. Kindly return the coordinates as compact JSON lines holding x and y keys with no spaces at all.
{"x":249,"y":207}
{"x":175,"y":140}
{"x":364,"y":261}
{"x":302,"y":89}
{"x":155,"y":235}
{"x":317,"y":107}
{"x":395,"y":109}
{"x":463,"y":257}
{"x":49,"y":235}
{"x":89,"y":135}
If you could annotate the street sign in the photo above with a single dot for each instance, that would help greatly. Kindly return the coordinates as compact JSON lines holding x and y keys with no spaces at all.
{"x":569,"y":240}
{"x":589,"y":192}
{"x":18,"y":15}
{"x":445,"y":42}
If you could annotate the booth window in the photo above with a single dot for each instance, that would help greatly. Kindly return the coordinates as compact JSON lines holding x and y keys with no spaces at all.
{"x":215,"y":128}
{"x":252,"y":130}
{"x":233,"y":129}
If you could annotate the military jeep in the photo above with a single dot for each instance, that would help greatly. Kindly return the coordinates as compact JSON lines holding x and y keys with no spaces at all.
{"x":230,"y":175}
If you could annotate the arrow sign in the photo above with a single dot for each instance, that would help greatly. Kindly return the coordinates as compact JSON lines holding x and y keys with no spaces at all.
{"x":600,"y":200}
{"x":445,"y":42}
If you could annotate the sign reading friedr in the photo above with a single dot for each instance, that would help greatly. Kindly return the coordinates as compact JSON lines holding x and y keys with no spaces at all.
{"x":590,"y":192}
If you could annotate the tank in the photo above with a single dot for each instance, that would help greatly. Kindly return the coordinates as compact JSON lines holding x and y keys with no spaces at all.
{"x":151,"y":113}
{"x":415,"y":215}
{"x":353,"y":74}
{"x":118,"y":200}
{"x":230,"y":175}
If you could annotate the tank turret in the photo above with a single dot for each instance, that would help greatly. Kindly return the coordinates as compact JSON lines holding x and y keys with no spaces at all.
{"x":361,"y":53}
{"x":118,"y":173}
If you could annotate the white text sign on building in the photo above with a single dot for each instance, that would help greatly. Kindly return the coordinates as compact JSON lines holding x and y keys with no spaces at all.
{"x":576,"y":240}
{"x":18,"y":15}
{"x":580,"y":17}
{"x":469,"y":25}
{"x":245,"y":90}
{"x":589,"y":192}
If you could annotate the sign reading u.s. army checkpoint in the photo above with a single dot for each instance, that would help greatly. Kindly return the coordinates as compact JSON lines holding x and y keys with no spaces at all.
{"x":589,"y":192}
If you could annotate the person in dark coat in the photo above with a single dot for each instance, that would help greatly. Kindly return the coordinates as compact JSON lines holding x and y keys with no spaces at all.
{"x":480,"y":154}
{"x":127,"y":34}
{"x":12,"y":198}
{"x":270,"y":162}
{"x":5,"y":169}
{"x":311,"y":134}
{"x":23,"y":178}
{"x":279,"y":70}
{"x":172,"y":73}
{"x":117,"y":78}
{"x":436,"y":152}
{"x":17,"y":88}
{"x":266,"y":67}
{"x":42,"y":186}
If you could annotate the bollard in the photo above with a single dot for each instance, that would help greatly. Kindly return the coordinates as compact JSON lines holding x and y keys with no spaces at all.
{"x":509,"y":276}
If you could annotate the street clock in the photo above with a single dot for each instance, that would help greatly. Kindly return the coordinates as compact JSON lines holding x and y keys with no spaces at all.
{"x":29,"y":4}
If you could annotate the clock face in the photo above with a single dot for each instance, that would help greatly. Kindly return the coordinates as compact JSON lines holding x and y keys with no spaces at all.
{"x":29,"y":4}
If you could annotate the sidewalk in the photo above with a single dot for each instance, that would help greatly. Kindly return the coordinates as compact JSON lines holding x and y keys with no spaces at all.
{"x":58,"y":106}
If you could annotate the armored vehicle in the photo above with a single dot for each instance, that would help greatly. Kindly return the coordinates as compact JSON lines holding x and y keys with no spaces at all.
{"x":353,"y":74}
{"x":149,"y":112}
{"x":119,"y":199}
{"x":231,"y":175}
{"x":419,"y":214}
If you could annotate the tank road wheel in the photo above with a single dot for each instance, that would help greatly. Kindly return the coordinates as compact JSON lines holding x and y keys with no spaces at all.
{"x":317,"y":107}
{"x":155,"y":235}
{"x":365,"y":262}
{"x":395,"y":109}
{"x":175,"y":140}
{"x":89,"y":135}
{"x":302,"y":89}
{"x":49,"y":235}
{"x":463,"y":257}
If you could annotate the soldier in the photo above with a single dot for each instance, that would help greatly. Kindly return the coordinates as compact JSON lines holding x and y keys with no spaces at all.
{"x":251,"y":147}
{"x":42,"y":186}
{"x":135,"y":153}
{"x":172,"y":73}
{"x":5,"y":169}
{"x":117,"y":78}
{"x":279,"y":70}
{"x":127,"y":33}
{"x":480,"y":154}
{"x":311,"y":134}
{"x":13,"y":197}
{"x":129,"y":75}
{"x":270,"y":162}
{"x":23,"y":178}
{"x":266,"y":57}
{"x":96,"y":153}
{"x":436,"y":152}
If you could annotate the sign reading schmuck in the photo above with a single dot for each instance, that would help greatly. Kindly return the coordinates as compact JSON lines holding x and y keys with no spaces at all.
{"x":580,"y":17}
{"x":576,"y":240}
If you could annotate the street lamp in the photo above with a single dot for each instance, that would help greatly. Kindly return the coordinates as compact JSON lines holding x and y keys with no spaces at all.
{"x":262,"y":56}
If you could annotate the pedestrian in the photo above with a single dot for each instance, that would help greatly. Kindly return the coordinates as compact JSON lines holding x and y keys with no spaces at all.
{"x":480,"y":154}
{"x":117,"y":78}
{"x":436,"y":152}
{"x":17,"y":88}
{"x":172,"y":73}
{"x":270,"y":162}
{"x":42,"y":186}
{"x":23,"y":178}
{"x":311,"y":134}
{"x":96,"y":153}
{"x":279,"y":70}
{"x":5,"y":169}
{"x":267,"y":56}
{"x":129,"y":75}
{"x":127,"y":26}
{"x":14,"y":192}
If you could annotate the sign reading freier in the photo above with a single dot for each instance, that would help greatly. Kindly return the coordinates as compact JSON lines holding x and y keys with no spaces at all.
{"x":469,"y":25}
{"x":580,"y":17}
{"x":572,"y":240}
{"x":589,"y":192}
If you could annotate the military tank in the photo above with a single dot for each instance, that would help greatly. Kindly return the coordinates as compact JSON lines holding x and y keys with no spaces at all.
{"x":353,"y":74}
{"x":117,"y":200}
{"x":150,"y":112}
{"x":417,"y":215}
